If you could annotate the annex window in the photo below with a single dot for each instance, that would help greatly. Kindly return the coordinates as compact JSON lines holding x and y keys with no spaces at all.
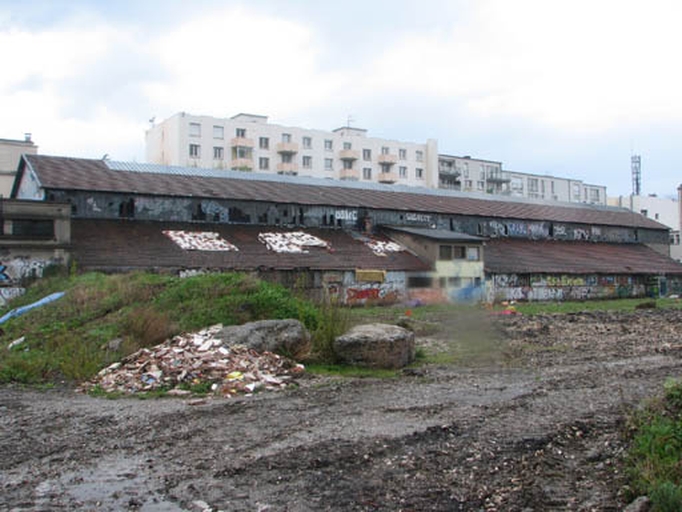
{"x":195,"y":151}
{"x":264,"y":163}
{"x":367,"y":173}
{"x":194,"y":130}
{"x":264,"y":143}
{"x":307,"y":162}
{"x":240,"y":132}
{"x":445,"y":252}
{"x":419,"y":282}
{"x":367,"y":155}
{"x":328,"y":145}
{"x":473,"y":253}
{"x":218,"y":153}
{"x":458,"y":252}
{"x":307,"y":143}
{"x":33,"y":228}
{"x":218,"y":132}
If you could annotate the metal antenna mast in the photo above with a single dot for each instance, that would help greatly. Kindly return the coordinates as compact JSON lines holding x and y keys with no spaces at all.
{"x":636,"y":166}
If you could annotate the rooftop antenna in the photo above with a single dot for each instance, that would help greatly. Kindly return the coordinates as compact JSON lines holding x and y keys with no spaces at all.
{"x":636,"y":167}
{"x":349,"y":120}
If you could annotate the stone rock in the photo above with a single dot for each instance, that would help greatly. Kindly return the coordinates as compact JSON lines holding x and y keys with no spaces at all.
{"x":641,"y":504}
{"x":285,"y":337}
{"x":376,"y":345}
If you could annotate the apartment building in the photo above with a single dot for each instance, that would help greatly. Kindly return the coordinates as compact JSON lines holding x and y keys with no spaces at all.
{"x":10,"y":154}
{"x":552,"y":188}
{"x":664,"y":210}
{"x":248,"y":142}
{"x":471,"y":175}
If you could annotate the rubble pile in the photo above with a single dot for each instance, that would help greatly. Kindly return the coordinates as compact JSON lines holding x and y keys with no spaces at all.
{"x":194,"y":359}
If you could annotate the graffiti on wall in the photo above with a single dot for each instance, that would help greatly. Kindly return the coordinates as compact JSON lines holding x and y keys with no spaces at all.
{"x":563,"y":287}
{"x":418,"y":217}
{"x":9,"y":293}
{"x":373,"y":293}
{"x":17,"y":269}
{"x":351,"y":215}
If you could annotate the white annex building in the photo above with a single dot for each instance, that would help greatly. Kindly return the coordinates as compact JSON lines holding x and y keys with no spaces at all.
{"x":248,"y":142}
{"x":10,"y":154}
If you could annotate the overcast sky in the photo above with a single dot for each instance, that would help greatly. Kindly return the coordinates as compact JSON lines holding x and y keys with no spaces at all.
{"x":568,"y":88}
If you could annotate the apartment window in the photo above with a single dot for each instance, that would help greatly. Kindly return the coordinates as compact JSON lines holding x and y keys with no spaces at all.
{"x":286,"y":137}
{"x":241,"y":152}
{"x":264,"y":143}
{"x":656,"y":216}
{"x":347,"y":164}
{"x":402,"y":154}
{"x":347,"y":145}
{"x":445,"y":252}
{"x":384,"y":150}
{"x":264,"y":163}
{"x":367,"y":173}
{"x":419,"y":156}
{"x":458,"y":252}
{"x":307,"y":162}
{"x":218,"y":153}
{"x":367,"y":155}
{"x":644,"y":212}
{"x":473,"y":253}
{"x":328,"y":145}
{"x":328,"y":164}
{"x":468,"y":184}
{"x":195,"y":151}
{"x":218,"y":132}
{"x":419,"y":173}
{"x":307,"y":143}
{"x":240,"y":132}
{"x":594,"y":195}
{"x":402,"y":172}
{"x":287,"y":158}
{"x":480,"y":185}
{"x":194,"y":130}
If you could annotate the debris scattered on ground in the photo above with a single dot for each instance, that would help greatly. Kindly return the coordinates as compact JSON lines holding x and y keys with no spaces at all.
{"x":200,"y":240}
{"x":16,"y":342}
{"x":293,"y":242}
{"x":197,"y":361}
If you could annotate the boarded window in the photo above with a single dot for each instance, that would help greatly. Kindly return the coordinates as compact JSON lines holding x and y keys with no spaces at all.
{"x":33,"y":228}
{"x":419,"y":282}
{"x":445,"y":252}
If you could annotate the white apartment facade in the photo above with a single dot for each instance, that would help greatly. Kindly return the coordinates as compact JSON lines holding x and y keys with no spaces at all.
{"x":10,"y":153}
{"x":248,"y":142}
{"x":471,"y":175}
{"x":552,"y":188}
{"x":666,"y":211}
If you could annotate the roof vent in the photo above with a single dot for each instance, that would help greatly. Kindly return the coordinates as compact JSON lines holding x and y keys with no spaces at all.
{"x":27,"y":137}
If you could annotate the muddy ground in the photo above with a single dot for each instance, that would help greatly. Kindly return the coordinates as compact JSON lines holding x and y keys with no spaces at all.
{"x":528,"y":417}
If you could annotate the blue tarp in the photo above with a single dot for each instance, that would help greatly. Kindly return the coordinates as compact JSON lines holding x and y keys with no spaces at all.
{"x":23,"y":309}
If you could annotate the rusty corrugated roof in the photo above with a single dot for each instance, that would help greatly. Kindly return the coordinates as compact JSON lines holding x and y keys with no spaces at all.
{"x":133,"y":244}
{"x":95,"y":175}
{"x":514,"y":256}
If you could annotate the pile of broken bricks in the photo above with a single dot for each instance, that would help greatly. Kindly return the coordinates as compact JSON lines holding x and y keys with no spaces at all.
{"x":191,"y":359}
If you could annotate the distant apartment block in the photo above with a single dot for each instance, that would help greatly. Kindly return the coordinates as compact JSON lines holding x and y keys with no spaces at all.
{"x":667,"y":211}
{"x":248,"y":142}
{"x":10,"y":153}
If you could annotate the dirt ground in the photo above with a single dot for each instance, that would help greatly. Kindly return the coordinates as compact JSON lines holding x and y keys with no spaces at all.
{"x":529,"y":417}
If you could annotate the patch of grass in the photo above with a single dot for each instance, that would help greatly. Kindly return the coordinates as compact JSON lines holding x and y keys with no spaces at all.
{"x":535,"y":308}
{"x":350,"y":371}
{"x":655,"y":455}
{"x":333,"y":321}
{"x":66,"y":340}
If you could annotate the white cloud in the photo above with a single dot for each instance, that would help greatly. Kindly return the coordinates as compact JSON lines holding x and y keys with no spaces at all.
{"x":582,"y":64}
{"x":233,"y":60}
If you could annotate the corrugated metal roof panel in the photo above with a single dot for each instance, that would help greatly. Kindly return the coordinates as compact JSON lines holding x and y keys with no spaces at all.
{"x":96,"y":175}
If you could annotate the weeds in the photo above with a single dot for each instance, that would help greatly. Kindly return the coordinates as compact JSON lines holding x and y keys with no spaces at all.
{"x":654,"y":461}
{"x":333,"y":321}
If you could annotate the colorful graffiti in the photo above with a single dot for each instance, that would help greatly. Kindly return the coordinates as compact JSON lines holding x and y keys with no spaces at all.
{"x":376,"y":293}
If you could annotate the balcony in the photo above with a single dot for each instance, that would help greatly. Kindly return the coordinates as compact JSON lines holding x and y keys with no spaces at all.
{"x":496,"y":177}
{"x":349,"y":174}
{"x":242,"y":164}
{"x":388,"y":159}
{"x":287,"y":147}
{"x":241,"y":142}
{"x":287,"y":168}
{"x":387,"y":177}
{"x":349,"y":154}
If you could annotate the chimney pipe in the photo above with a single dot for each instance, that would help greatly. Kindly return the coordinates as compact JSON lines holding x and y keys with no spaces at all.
{"x":27,"y":137}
